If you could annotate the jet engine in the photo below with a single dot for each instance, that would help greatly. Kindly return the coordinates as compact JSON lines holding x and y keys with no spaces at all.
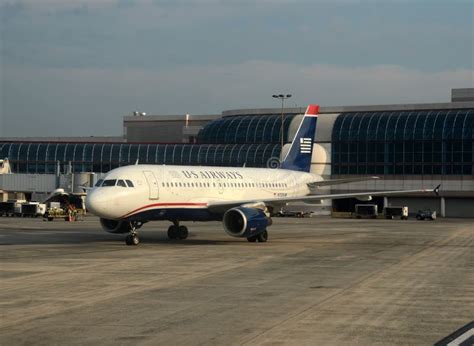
{"x":115,"y":226}
{"x":245,"y":222}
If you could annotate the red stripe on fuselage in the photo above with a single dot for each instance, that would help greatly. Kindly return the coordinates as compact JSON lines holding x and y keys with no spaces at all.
{"x":165,"y":205}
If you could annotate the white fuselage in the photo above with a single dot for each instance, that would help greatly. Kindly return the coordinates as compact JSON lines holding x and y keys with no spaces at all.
{"x":166,"y":192}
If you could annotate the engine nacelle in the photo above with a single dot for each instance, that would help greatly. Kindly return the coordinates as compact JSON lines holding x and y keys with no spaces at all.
{"x":115,"y":226}
{"x":245,"y":222}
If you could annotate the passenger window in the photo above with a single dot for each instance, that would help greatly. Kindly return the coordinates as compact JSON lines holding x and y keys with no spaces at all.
{"x":129,"y":183}
{"x":121,"y":183}
{"x":99,"y":182}
{"x":110,"y":182}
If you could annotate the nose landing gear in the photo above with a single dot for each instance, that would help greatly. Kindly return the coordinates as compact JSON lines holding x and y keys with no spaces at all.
{"x":132,"y":238}
{"x":175,"y":231}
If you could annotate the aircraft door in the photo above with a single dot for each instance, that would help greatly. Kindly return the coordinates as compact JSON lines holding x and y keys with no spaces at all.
{"x":152,"y":184}
{"x":294,"y":182}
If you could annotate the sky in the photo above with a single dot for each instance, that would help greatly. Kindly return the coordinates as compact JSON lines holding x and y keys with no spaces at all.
{"x":76,"y":67}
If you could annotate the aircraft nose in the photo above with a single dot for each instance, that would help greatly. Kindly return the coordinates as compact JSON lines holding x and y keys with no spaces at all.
{"x":96,"y":203}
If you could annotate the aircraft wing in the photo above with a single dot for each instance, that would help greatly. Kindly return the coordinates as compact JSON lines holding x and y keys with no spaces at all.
{"x":329,"y":182}
{"x":222,"y":206}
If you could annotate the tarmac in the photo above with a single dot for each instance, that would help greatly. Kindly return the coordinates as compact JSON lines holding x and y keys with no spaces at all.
{"x":317,"y":281}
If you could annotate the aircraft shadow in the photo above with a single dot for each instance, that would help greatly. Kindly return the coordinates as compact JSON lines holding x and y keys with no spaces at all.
{"x":77,"y":239}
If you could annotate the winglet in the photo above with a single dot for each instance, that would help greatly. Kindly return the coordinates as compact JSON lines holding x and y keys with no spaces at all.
{"x":436,"y":190}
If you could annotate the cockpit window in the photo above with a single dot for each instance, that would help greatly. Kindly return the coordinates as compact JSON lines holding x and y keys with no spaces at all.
{"x":129,"y":183}
{"x":99,"y":182}
{"x":110,"y":182}
{"x":121,"y":183}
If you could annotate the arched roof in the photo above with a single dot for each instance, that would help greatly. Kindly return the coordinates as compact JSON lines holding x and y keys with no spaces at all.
{"x":404,"y":142}
{"x":245,"y":129}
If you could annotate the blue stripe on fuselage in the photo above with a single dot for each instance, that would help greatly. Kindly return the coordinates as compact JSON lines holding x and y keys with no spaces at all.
{"x":181,"y":214}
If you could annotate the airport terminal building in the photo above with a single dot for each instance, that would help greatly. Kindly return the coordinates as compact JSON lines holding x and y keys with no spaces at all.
{"x":410,"y":146}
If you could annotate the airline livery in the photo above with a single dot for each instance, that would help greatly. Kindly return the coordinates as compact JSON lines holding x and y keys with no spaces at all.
{"x":242,"y":198}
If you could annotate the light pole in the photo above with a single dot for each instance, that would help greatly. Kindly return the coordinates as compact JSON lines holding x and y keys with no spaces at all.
{"x":282,"y":98}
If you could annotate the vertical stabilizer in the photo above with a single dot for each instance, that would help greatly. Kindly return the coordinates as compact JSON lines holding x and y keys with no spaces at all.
{"x":298,"y":157}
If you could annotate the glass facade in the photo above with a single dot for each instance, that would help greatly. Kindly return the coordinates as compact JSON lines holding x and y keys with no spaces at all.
{"x":380,"y":143}
{"x":404,"y":143}
{"x":102,"y":157}
{"x":259,"y":129}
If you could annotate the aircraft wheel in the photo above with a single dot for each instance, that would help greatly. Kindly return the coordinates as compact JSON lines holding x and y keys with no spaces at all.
{"x":183,"y":232}
{"x":132,"y":239}
{"x":173,"y":232}
{"x":135,"y":240}
{"x":262,"y":237}
{"x":252,"y":239}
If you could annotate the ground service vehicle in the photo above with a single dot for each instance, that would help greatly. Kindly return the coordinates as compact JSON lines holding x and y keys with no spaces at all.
{"x":33,"y":209}
{"x":396,"y":212}
{"x":7,"y":208}
{"x":291,"y":213}
{"x":366,"y":211}
{"x":426,"y":214}
{"x":55,"y":213}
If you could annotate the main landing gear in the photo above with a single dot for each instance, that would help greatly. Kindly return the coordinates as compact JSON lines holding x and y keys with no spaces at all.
{"x":132,"y":238}
{"x":175,"y":231}
{"x":261,"y":238}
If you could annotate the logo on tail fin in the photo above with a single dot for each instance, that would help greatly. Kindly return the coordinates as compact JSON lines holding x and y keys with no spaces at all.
{"x":299,"y":155}
{"x":305,"y":145}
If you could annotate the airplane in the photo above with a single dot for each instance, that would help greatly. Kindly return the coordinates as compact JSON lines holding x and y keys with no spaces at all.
{"x":242,"y":198}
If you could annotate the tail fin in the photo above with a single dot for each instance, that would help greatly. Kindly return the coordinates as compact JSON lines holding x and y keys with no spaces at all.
{"x":298,"y":157}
